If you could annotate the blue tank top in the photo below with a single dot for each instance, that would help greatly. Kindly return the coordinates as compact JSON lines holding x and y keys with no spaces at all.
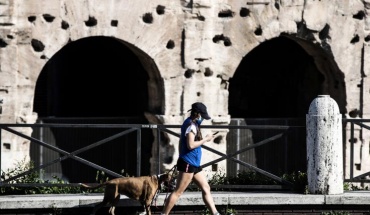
{"x":190,"y":156}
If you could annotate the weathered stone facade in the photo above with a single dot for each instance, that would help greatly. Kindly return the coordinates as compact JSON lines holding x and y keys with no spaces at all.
{"x":190,"y":50}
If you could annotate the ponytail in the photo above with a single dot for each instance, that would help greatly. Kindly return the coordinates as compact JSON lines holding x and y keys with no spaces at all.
{"x":198,"y":136}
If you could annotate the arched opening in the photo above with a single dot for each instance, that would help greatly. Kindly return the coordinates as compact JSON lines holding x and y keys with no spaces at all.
{"x":274,"y":85}
{"x":277,"y":79}
{"x":89,"y":81}
{"x":92,"y":77}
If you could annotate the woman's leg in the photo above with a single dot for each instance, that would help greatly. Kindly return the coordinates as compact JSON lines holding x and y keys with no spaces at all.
{"x":201,"y":181}
{"x":183,"y":180}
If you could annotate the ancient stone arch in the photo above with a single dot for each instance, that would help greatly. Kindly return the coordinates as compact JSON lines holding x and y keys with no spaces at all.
{"x":95,"y":80}
{"x":276,"y":82}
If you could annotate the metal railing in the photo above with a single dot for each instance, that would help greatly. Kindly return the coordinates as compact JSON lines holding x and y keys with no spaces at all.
{"x":132,"y":128}
{"x":361,"y":126}
{"x":137,"y":128}
{"x":73,"y":154}
{"x":223,"y":156}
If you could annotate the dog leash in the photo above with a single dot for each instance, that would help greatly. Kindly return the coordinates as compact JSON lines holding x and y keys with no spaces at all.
{"x":155,"y":199}
{"x":168,"y":188}
{"x":173,"y":169}
{"x":156,"y":193}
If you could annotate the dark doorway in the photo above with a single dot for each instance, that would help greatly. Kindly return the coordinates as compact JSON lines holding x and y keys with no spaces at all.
{"x":92,"y":77}
{"x":274,"y":85}
{"x":277,"y":79}
{"x":95,"y":80}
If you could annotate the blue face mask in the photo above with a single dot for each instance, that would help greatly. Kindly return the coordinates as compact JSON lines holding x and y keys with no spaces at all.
{"x":199,"y":120}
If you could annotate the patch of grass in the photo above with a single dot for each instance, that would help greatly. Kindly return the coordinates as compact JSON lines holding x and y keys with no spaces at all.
{"x":33,"y":178}
{"x":298,"y":179}
{"x":350,"y":186}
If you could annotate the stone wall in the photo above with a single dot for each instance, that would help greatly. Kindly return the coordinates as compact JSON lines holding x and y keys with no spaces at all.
{"x":190,"y":49}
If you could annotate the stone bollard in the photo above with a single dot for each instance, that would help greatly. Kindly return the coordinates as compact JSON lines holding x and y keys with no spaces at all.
{"x":324,"y":147}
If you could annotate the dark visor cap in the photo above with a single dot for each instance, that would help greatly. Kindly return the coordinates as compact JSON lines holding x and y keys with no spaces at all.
{"x":200,"y":108}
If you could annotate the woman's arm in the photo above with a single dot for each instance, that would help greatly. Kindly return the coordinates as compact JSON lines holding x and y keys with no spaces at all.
{"x":192,"y":144}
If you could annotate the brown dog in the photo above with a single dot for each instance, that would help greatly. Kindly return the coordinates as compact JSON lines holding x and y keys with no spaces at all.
{"x":141,"y":188}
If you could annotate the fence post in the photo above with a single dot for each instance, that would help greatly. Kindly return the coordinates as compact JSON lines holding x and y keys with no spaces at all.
{"x":1,"y":142}
{"x":324,"y":147}
{"x":138,"y":152}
